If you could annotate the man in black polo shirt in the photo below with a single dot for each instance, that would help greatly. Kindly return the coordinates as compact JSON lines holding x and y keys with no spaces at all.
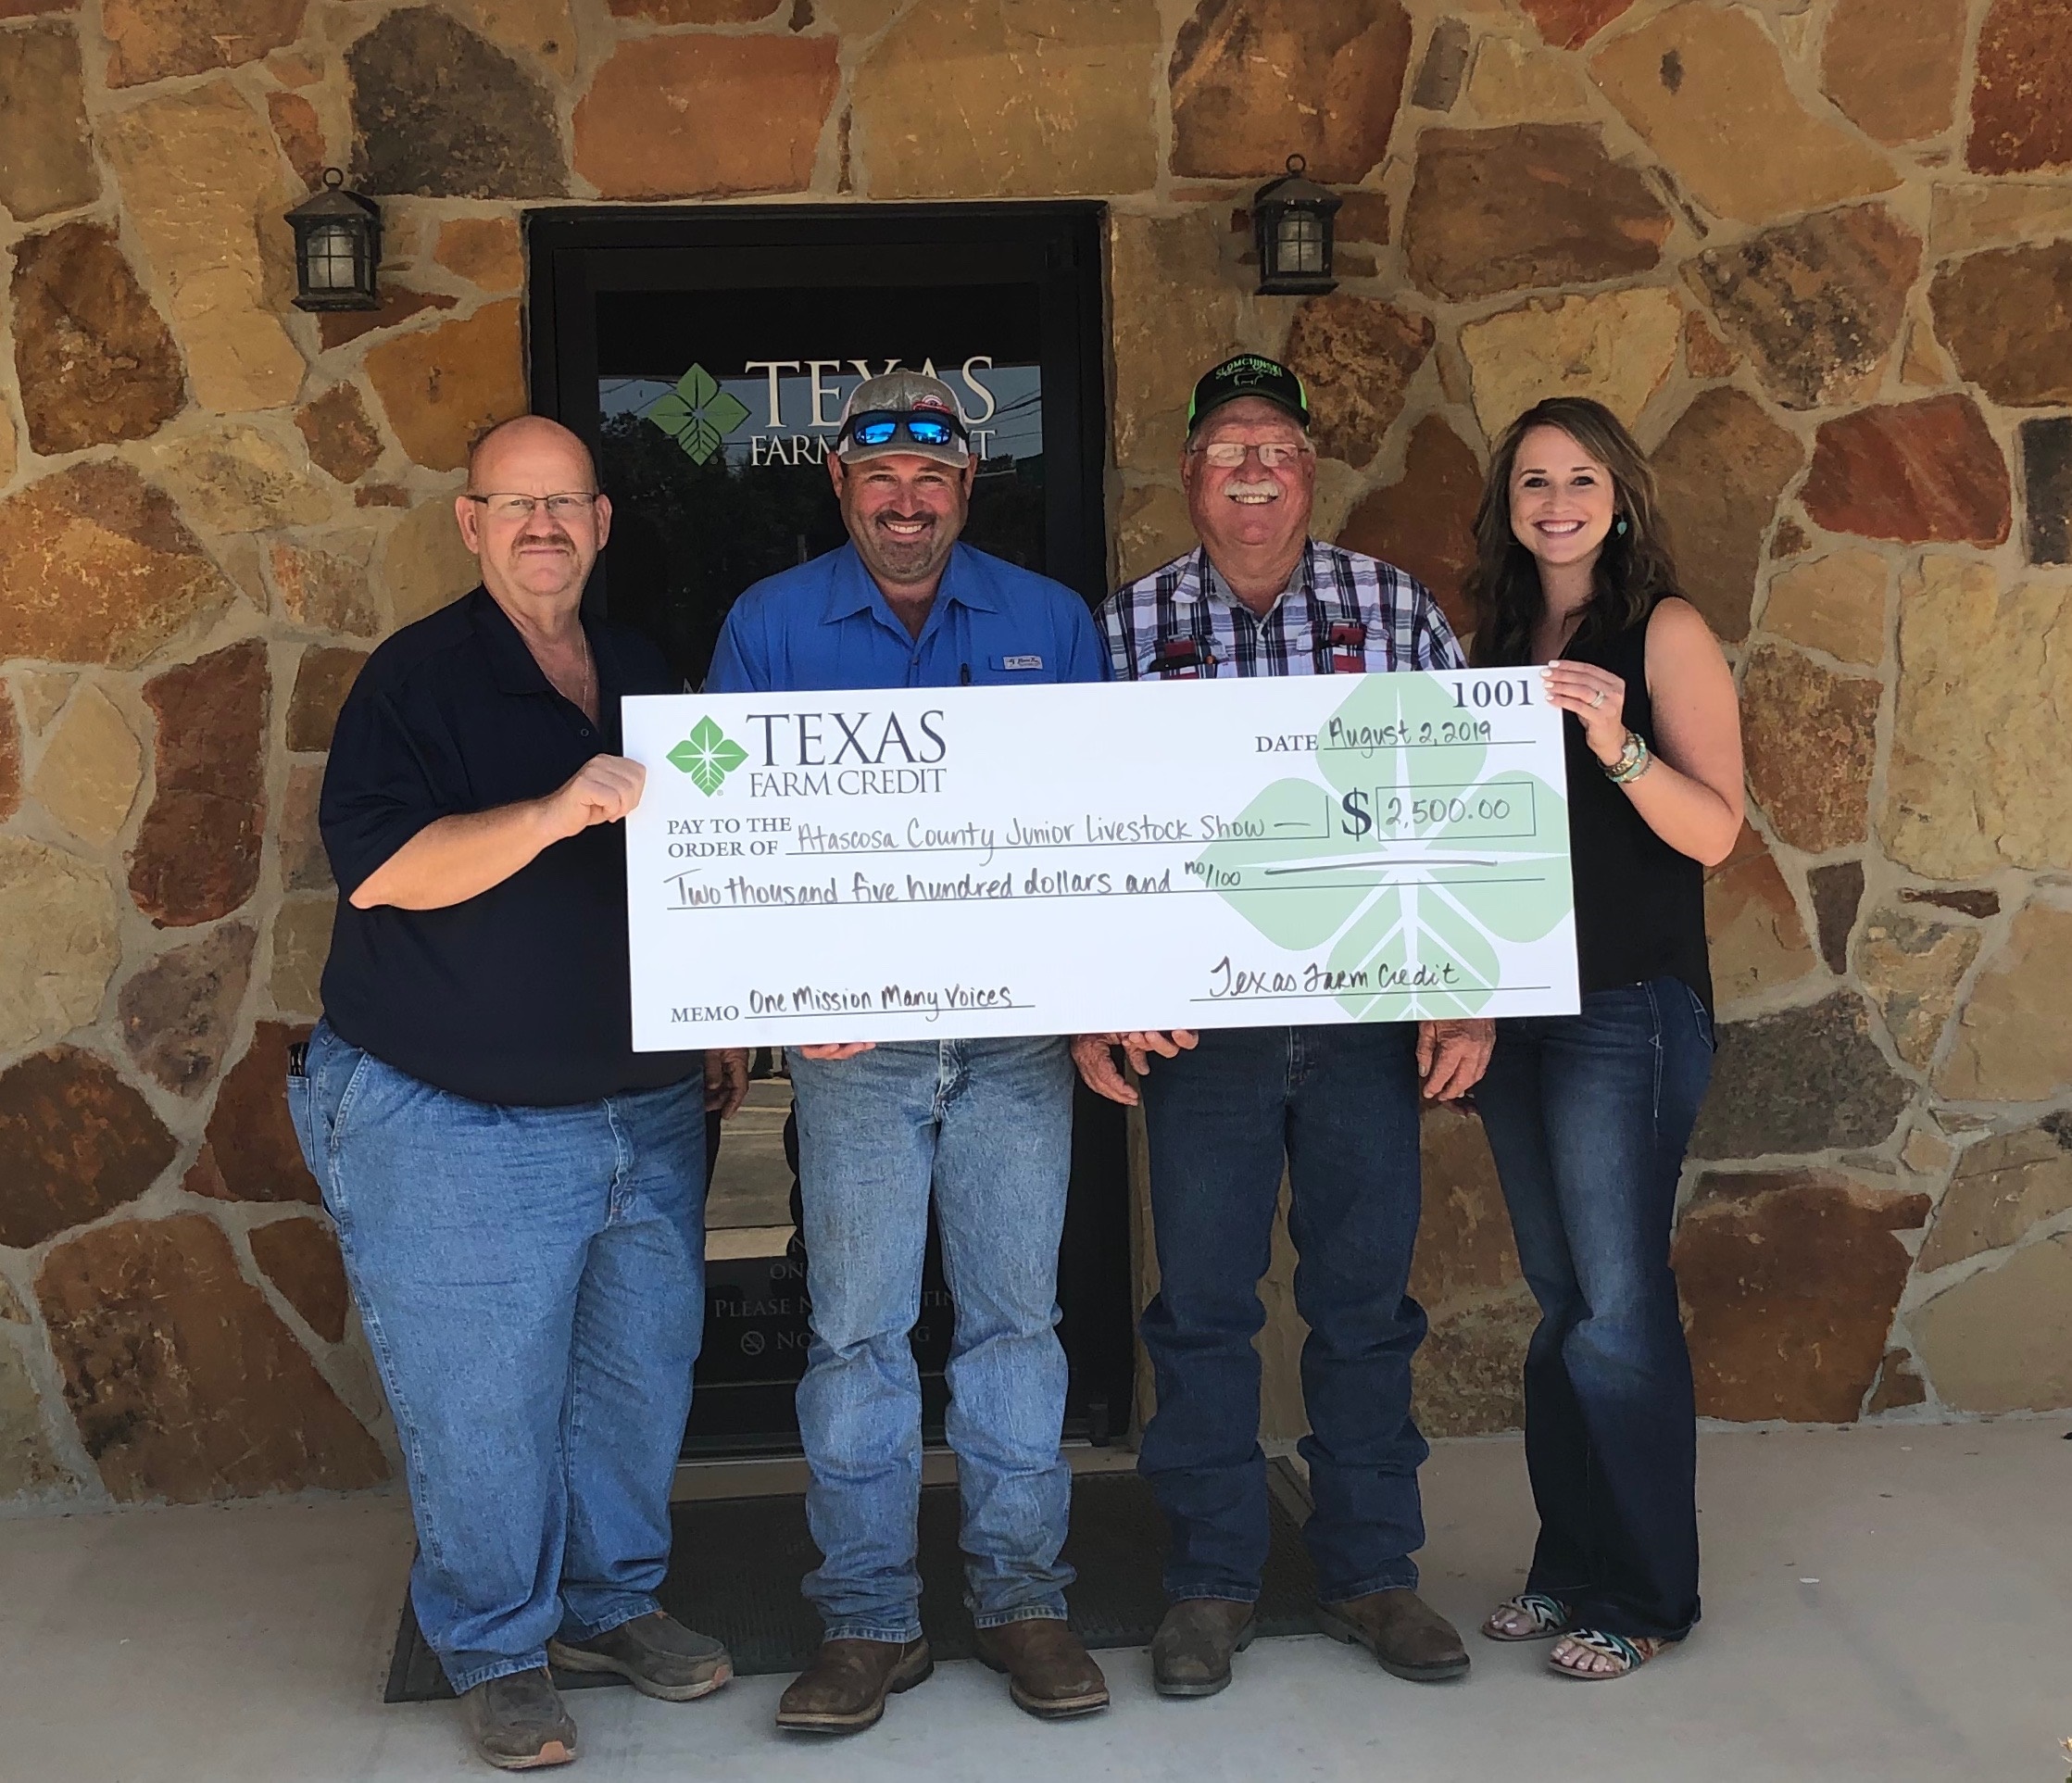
{"x":520,"y":1197}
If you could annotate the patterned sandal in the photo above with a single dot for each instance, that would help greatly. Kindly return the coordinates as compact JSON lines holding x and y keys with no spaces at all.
{"x":1629,"y":1652}
{"x":1548,"y":1616}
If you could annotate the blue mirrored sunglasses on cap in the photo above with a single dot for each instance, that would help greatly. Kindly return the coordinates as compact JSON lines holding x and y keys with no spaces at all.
{"x":922,"y":426}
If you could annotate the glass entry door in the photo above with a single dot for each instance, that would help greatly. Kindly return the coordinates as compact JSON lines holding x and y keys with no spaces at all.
{"x":705,"y":353}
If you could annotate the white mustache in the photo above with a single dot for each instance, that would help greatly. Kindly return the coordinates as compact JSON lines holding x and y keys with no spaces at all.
{"x":1235,"y":488}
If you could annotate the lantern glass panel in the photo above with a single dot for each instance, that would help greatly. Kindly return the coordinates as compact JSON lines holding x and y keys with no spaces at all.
{"x":1300,"y":242}
{"x":330,"y":257}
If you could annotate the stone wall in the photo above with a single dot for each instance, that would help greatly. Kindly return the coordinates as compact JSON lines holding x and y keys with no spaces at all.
{"x":1816,"y":250}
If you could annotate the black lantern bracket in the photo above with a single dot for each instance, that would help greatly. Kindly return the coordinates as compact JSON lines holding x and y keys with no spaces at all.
{"x":337,"y":247}
{"x":1292,"y":224}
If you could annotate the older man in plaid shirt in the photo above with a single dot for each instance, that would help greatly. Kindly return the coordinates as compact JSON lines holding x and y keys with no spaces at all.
{"x":1225,"y":1108}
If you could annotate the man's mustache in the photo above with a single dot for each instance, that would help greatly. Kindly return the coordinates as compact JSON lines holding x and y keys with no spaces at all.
{"x":1237,"y":488}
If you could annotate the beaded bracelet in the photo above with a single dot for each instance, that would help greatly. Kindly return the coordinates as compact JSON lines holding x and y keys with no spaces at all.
{"x":1632,"y":762}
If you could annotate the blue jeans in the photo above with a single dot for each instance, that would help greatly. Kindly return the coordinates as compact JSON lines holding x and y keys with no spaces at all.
{"x":1588,"y":1115}
{"x":988,"y":1125}
{"x":1340,"y":1103}
{"x":532,"y":1281}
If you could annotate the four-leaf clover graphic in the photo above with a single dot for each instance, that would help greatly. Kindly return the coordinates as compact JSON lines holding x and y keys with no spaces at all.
{"x":1411,"y":864}
{"x":697,"y":414}
{"x":708,"y":755}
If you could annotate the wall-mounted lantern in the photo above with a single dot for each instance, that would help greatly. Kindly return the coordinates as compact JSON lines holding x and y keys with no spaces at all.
{"x":337,"y":247}
{"x":1291,"y":218}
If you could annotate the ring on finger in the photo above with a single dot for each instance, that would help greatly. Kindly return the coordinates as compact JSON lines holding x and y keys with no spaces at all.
{"x":1597,"y":699}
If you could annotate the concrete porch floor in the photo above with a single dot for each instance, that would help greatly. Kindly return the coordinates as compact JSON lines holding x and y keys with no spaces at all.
{"x":1881,"y":1603}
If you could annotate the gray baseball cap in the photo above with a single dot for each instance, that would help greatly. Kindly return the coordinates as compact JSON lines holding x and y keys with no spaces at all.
{"x":903,"y":394}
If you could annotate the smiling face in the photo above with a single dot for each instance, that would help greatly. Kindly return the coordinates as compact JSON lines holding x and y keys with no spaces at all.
{"x":904,"y":512}
{"x":1563,"y":500}
{"x":539,"y":557}
{"x":1251,"y":508}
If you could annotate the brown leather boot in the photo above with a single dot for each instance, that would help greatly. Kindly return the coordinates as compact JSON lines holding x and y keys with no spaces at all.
{"x":1409,"y":1637}
{"x":1191,"y":1651}
{"x":843,"y":1692}
{"x":1049,"y":1671}
{"x":518,"y":1723}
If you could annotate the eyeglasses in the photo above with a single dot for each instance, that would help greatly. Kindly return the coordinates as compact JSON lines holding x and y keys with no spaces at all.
{"x":1227,"y":455}
{"x":562,"y":507}
{"x":922,"y":426}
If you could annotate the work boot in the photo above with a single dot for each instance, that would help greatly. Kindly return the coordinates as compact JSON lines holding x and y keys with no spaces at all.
{"x":655,"y":1653}
{"x":1409,"y":1637}
{"x":518,"y":1723}
{"x":1191,"y":1651}
{"x":843,"y":1692}
{"x":1049,"y":1671}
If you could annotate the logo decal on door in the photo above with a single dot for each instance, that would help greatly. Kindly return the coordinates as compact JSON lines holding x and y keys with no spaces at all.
{"x":698,"y":416}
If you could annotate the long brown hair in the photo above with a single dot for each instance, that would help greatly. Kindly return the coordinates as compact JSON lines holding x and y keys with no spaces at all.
{"x":1633,"y":569}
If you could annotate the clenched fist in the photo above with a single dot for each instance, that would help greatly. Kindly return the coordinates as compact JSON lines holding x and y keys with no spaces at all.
{"x":602,"y":791}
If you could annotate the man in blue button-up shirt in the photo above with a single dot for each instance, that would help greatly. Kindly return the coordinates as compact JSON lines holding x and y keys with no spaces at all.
{"x":984,"y":1124}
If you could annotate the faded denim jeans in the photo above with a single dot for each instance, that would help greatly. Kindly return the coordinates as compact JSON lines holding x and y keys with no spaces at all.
{"x":986,"y":1126}
{"x":532,"y":1281}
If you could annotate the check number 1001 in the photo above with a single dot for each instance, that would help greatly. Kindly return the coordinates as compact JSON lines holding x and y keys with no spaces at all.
{"x":1485,"y":694}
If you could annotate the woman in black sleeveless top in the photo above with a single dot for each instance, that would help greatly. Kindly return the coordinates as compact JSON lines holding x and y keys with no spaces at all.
{"x":1589,"y":1115}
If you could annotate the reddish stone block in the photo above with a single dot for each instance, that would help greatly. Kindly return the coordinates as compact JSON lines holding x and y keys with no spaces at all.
{"x":75,"y":1142}
{"x":2021,"y":97}
{"x":1915,"y":471}
{"x":1423,"y":523}
{"x":323,"y":679}
{"x":1357,"y":356}
{"x":1568,"y":24}
{"x":252,"y":1153}
{"x":198,"y":851}
{"x":300,"y":1256}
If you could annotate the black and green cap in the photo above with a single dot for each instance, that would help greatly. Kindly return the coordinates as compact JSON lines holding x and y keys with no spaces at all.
{"x":1249,"y":375}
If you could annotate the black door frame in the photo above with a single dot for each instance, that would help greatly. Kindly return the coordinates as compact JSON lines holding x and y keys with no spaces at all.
{"x":571,"y":254}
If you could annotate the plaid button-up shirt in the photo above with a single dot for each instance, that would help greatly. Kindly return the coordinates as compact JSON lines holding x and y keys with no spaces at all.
{"x":1341,"y":613}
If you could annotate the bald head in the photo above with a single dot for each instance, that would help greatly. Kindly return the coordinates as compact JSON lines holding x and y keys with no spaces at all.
{"x":532,"y":516}
{"x":528,"y":440}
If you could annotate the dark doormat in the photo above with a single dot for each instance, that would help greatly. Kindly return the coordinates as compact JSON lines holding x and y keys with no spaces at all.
{"x":736,"y":1562}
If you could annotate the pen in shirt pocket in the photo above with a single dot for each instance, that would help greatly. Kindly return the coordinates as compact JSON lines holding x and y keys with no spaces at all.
{"x":963,"y":674}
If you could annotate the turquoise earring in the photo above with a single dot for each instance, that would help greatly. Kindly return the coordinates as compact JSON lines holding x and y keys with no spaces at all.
{"x":1620,"y":528}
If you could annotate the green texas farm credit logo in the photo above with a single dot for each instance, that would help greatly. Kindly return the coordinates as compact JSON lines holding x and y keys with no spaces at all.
{"x":698,"y":416}
{"x":708,"y":755}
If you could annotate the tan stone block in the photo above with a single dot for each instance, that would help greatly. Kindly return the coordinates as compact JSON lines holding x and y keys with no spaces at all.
{"x":2013,"y":1043}
{"x":301,"y":135}
{"x":2001,"y":1339}
{"x":150,"y":40}
{"x":1759,"y":942}
{"x":543,"y":29}
{"x":1892,"y":66}
{"x":1512,"y":85}
{"x":1705,"y":87}
{"x":1926,"y":365}
{"x":184,"y":1382}
{"x":10,"y":760}
{"x":1999,"y":213}
{"x":1464,"y":1246}
{"x":293,"y":70}
{"x":51,"y":987}
{"x":1357,"y":356}
{"x":97,"y":567}
{"x":1176,"y":313}
{"x":1722,"y":470}
{"x":1788,"y":1283}
{"x":91,"y":769}
{"x":1051,"y":98}
{"x":664,"y":119}
{"x":1706,"y":355}
{"x":1254,"y":82}
{"x":1467,"y":1378}
{"x":1154,"y":529}
{"x":43,"y":694}
{"x":301,"y":944}
{"x":1618,"y":346}
{"x":2004,"y":1187}
{"x":45,"y":161}
{"x":7,"y":445}
{"x":425,"y":563}
{"x":27,"y":1462}
{"x":1899,"y":1384}
{"x":701,"y":12}
{"x":1925,"y":1155}
{"x":1811,"y":737}
{"x":484,"y":250}
{"x":236,"y":478}
{"x":326,"y":588}
{"x":1911,"y":968}
{"x":441,"y":386}
{"x":1835,"y":603}
{"x":1983,"y":724}
{"x":201,"y":180}
{"x":2005,"y":314}
{"x":177,"y":1010}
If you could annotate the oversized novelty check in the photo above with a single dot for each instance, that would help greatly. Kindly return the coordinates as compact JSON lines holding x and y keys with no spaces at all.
{"x":931,"y":863}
